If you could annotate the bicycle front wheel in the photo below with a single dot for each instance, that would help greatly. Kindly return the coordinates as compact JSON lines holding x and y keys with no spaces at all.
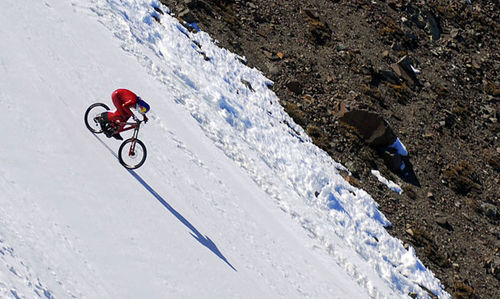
{"x":132,"y":153}
{"x":92,"y":115}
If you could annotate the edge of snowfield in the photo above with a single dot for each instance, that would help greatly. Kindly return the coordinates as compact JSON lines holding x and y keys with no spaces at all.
{"x":303,"y":180}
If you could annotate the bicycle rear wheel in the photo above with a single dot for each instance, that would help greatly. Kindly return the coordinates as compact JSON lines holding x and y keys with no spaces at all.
{"x":132,"y":153}
{"x":92,"y":115}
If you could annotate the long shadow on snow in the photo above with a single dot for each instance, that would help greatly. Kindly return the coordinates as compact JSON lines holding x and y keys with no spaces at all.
{"x":204,"y":240}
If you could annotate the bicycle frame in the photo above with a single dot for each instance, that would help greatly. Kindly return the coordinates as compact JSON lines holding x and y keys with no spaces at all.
{"x":130,"y":127}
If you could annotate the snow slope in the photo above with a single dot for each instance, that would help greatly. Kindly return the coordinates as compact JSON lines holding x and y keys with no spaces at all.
{"x":234,"y":200}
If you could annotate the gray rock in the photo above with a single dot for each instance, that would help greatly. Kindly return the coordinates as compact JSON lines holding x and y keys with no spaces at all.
{"x":444,"y":223}
{"x":187,"y":16}
{"x":273,"y":69}
{"x":433,"y":26}
{"x":490,"y":211}
{"x":404,"y":69}
{"x":247,"y":84}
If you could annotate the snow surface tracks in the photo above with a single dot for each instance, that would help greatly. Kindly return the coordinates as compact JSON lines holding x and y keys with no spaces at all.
{"x":253,"y":130}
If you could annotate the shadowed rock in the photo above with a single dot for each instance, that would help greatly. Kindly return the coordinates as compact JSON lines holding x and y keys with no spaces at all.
{"x":370,"y":126}
{"x":404,"y":69}
{"x":377,"y":133}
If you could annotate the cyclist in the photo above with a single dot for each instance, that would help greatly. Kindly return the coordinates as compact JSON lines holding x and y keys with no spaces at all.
{"x":112,"y":123}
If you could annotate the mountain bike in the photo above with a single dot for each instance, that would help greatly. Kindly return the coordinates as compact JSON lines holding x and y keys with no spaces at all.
{"x":132,"y":152}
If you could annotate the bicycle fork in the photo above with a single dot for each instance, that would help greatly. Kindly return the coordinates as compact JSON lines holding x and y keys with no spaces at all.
{"x":131,"y":151}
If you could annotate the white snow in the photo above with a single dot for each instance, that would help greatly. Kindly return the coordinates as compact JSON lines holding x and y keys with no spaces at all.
{"x":416,"y":71}
{"x":234,"y":200}
{"x":390,"y":184}
{"x":399,"y":147}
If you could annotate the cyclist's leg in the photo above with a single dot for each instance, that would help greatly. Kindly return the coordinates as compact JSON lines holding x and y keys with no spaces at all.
{"x":118,"y":128}
{"x":108,"y":124}
{"x":121,"y":126}
{"x":118,"y":102}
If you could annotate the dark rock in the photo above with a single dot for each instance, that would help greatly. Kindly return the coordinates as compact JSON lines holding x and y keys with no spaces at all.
{"x":415,"y":16}
{"x":247,"y":84}
{"x":490,"y":211}
{"x":259,"y":18}
{"x":295,"y":87}
{"x":187,"y":16}
{"x":404,"y":69}
{"x":158,"y":10}
{"x":371,"y":127}
{"x":205,"y":57}
{"x":199,"y":5}
{"x":156,"y":18}
{"x":443,"y":222}
{"x":390,"y":76}
{"x":433,"y":26}
{"x":377,"y":133}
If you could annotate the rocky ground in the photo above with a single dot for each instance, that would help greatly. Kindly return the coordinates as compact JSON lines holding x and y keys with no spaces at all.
{"x":442,"y":100}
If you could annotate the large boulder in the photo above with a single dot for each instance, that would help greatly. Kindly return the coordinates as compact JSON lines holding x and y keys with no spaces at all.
{"x":377,"y":133}
{"x":371,"y":127}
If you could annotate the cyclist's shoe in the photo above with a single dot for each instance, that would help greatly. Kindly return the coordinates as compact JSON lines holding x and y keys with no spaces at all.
{"x":105,"y":125}
{"x":117,"y":136}
{"x":108,"y":129}
{"x":108,"y":134}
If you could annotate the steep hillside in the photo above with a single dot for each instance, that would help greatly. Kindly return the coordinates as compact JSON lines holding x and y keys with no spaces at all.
{"x":327,"y":57}
{"x":234,"y":200}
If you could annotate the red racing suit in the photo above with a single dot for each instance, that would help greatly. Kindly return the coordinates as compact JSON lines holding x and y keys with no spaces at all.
{"x":123,"y":99}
